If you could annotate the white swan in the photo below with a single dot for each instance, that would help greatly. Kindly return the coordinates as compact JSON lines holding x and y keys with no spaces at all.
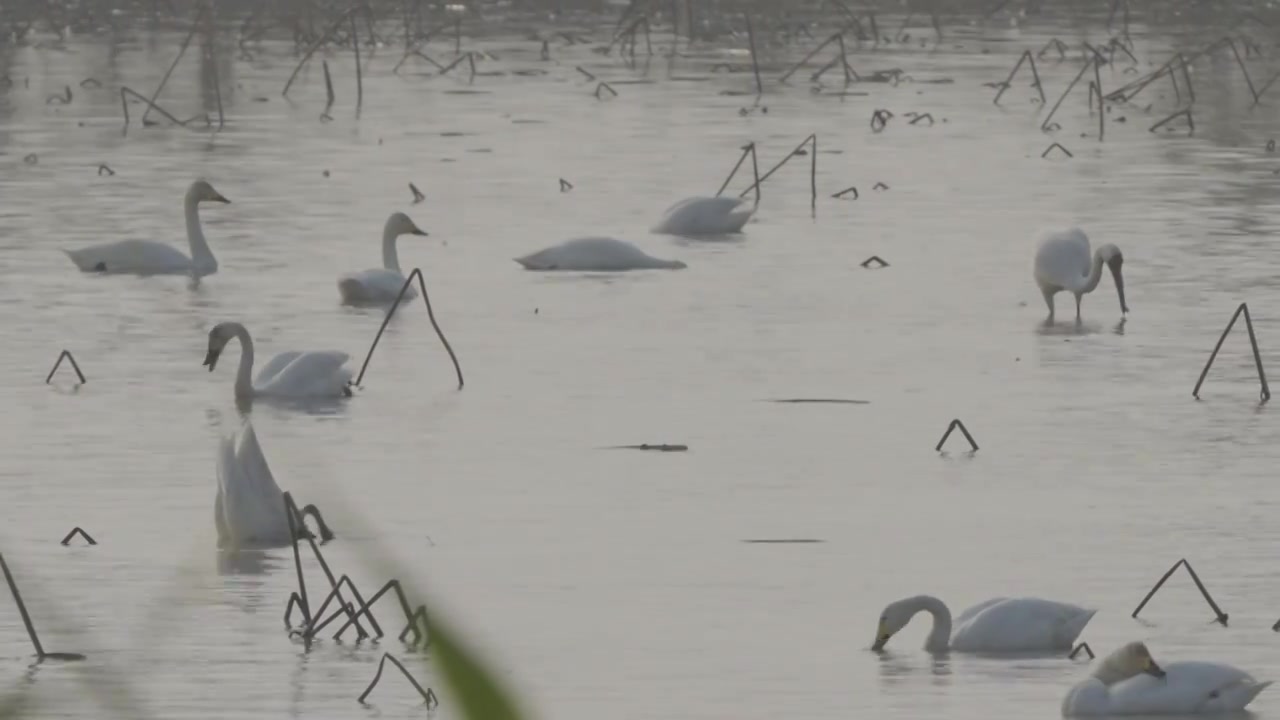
{"x":705,"y":216}
{"x":249,"y":509}
{"x":995,"y":626}
{"x":600,"y":254}
{"x":1129,"y":682}
{"x":1063,"y":263}
{"x":383,"y":284}
{"x":311,"y":374}
{"x":145,"y":257}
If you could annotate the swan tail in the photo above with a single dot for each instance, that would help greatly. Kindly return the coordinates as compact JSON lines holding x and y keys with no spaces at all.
{"x":351,"y":290}
{"x":1238,"y":697}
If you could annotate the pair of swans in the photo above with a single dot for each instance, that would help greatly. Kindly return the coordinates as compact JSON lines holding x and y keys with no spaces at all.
{"x":1128,"y":682}
{"x":145,"y":257}
{"x":249,"y":509}
{"x":1063,"y":263}
{"x":697,"y":216}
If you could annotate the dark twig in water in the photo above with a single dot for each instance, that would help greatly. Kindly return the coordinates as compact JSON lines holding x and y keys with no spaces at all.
{"x":1191,"y":123}
{"x":918,"y":118}
{"x":62,"y":99}
{"x":782,"y":541}
{"x":428,"y":696}
{"x":337,"y":24}
{"x":78,"y":531}
{"x":876,"y":260}
{"x":1027,"y":58}
{"x":1044,"y":125}
{"x":957,"y":424}
{"x":605,"y":86}
{"x":195,"y":25}
{"x":1054,"y":44}
{"x":417,"y":619}
{"x":755,"y":64}
{"x":1082,"y":646}
{"x":660,"y":447}
{"x":1217,"y":611}
{"x":820,"y":401}
{"x":417,"y":194}
{"x":1059,"y":147}
{"x":1253,"y":342}
{"x":748,"y":149}
{"x":565,"y":185}
{"x":422,"y":287}
{"x":104,"y":169}
{"x":74,"y":366}
{"x":879,"y":119}
{"x":26,"y":620}
{"x":125,"y":92}
{"x":846,"y":191}
{"x":355,"y":45}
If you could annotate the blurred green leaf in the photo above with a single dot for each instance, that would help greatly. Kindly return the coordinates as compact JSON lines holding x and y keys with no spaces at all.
{"x":473,"y":686}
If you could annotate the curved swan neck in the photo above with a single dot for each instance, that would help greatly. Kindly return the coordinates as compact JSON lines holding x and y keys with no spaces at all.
{"x":202,"y":260}
{"x":244,"y":379}
{"x":1088,"y":284}
{"x":390,"y":257}
{"x":939,"y":639}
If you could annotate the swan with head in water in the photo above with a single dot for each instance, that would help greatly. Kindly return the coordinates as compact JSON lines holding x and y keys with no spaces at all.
{"x":249,"y":509}
{"x":373,"y":287}
{"x":145,"y":257}
{"x":1129,"y":682}
{"x":999,"y":625}
{"x":705,"y":216}
{"x":1063,"y":262}
{"x":599,"y":254}
{"x":310,"y":374}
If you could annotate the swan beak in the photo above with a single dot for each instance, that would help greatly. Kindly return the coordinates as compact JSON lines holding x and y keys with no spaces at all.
{"x":418,"y":231}
{"x":1114,"y":264}
{"x":1151,"y":668}
{"x":217,"y":197}
{"x":211,"y":359}
{"x":882,"y":637}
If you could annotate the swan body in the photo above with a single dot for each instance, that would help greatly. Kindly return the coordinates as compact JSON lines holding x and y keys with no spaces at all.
{"x":1128,"y":682}
{"x":705,"y":216}
{"x":145,"y":257}
{"x":1064,"y":263}
{"x":249,"y":509}
{"x":310,"y":374}
{"x":999,"y":625}
{"x":381,"y":285}
{"x":599,"y":254}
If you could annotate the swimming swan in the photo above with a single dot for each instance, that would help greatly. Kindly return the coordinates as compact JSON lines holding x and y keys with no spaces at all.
{"x":249,"y":509}
{"x":995,"y":626}
{"x":705,"y":216}
{"x":1063,"y":263}
{"x":382,"y":285}
{"x":145,"y":257}
{"x":599,"y":254}
{"x":312,"y":374}
{"x":1129,"y":682}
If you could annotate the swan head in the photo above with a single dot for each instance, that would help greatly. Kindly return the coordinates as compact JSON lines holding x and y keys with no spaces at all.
{"x":219,"y":336}
{"x":201,"y":191}
{"x":1128,"y":661}
{"x":1114,"y":259}
{"x":400,"y":224}
{"x":893,"y":618}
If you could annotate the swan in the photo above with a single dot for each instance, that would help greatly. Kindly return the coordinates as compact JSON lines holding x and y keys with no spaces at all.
{"x":383,"y":284}
{"x":249,"y":509}
{"x":995,"y":626}
{"x":1063,"y":263}
{"x":145,"y":257}
{"x":595,"y":253}
{"x":705,"y":216}
{"x":1129,"y":682}
{"x":309,"y":374}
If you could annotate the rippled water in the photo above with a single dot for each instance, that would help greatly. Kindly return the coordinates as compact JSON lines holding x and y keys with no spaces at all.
{"x":614,"y":583}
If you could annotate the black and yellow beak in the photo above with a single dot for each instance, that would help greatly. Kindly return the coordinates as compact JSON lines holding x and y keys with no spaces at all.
{"x":882,"y":637}
{"x":1151,"y":668}
{"x":211,"y":358}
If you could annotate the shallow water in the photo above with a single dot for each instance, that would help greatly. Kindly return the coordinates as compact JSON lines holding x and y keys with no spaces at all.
{"x":616,"y":583}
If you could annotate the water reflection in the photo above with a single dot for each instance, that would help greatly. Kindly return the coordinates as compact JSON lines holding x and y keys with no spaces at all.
{"x":903,"y":668}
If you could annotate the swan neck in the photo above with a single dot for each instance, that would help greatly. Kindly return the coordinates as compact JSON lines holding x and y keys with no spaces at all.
{"x":390,"y":257}
{"x":244,"y":375}
{"x":202,"y":260}
{"x":1095,"y":276}
{"x":939,"y":639}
